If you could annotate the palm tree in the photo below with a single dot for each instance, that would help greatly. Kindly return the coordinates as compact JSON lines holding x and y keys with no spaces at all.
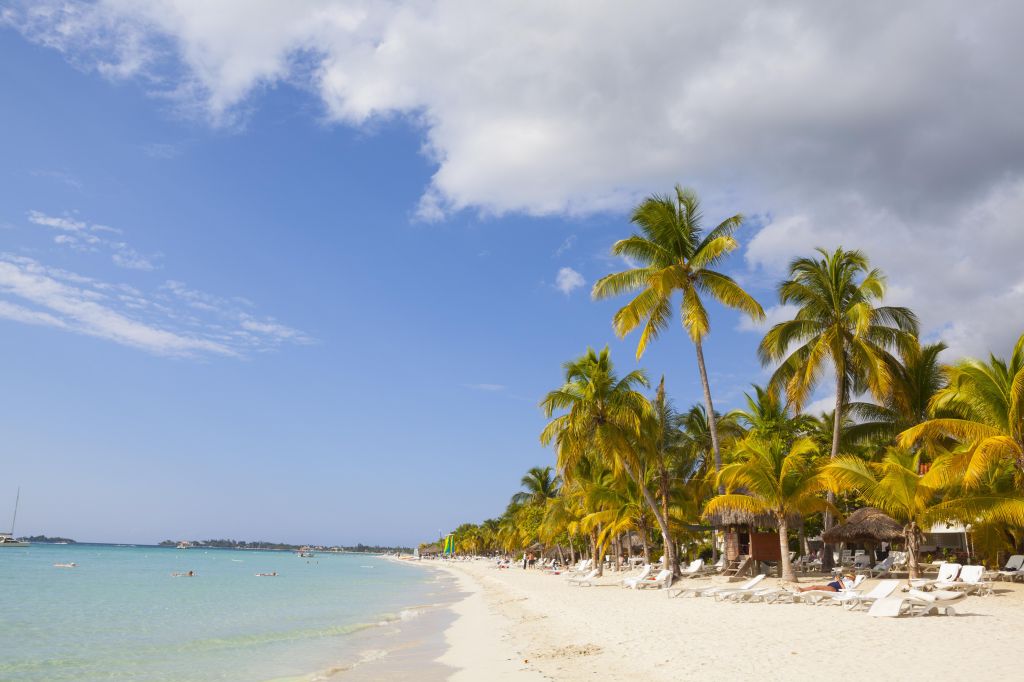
{"x":674,"y":255}
{"x":767,"y":415}
{"x":604,"y":415}
{"x":896,"y":486}
{"x":987,"y":399}
{"x":774,"y":476}
{"x":837,"y":322}
{"x":915,"y":381}
{"x":539,"y":486}
{"x":664,"y":441}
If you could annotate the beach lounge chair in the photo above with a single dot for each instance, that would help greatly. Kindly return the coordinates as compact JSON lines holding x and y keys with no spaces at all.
{"x":787,"y":596}
{"x":714,"y":568}
{"x":581,"y":568}
{"x":825,"y":596}
{"x":917,"y":603}
{"x":631,"y":582}
{"x":659,"y":582}
{"x":853,"y":600}
{"x":882,"y":568}
{"x":971,"y":581}
{"x":947,"y":574}
{"x":586,"y":580}
{"x":1013,"y":569}
{"x":861,"y":562}
{"x":710,"y":591}
{"x":694,"y":570}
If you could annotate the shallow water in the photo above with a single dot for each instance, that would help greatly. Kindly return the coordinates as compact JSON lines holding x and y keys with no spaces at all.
{"x":120,"y":615}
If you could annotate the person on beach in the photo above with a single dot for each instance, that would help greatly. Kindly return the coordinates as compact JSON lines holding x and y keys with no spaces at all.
{"x":838,"y":585}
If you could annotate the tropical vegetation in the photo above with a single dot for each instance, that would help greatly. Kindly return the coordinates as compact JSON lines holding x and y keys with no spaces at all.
{"x":927,"y":440}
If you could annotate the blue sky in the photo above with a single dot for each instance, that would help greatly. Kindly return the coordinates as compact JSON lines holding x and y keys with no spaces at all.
{"x":264,"y":281}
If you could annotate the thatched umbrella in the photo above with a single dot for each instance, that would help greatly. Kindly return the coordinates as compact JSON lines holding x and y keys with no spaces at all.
{"x":867,"y":526}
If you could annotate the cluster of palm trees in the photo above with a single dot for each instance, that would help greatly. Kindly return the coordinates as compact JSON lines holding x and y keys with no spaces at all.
{"x":923,"y":441}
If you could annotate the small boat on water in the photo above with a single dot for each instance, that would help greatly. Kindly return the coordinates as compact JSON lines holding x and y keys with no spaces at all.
{"x":8,"y":539}
{"x":70,"y":564}
{"x":184,"y":544}
{"x":306,"y":553}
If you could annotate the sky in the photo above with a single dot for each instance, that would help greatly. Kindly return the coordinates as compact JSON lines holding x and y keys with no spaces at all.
{"x":303,"y":271}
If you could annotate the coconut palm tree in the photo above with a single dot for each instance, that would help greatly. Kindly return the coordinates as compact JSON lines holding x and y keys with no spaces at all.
{"x":837,"y":323}
{"x":773,"y":476}
{"x":896,"y":486}
{"x":915,"y":381}
{"x":664,"y":442}
{"x":539,"y":486}
{"x":986,"y":400}
{"x":603,"y":415}
{"x":674,"y":255}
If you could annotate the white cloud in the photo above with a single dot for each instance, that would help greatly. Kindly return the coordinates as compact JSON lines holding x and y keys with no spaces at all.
{"x":79,"y":304}
{"x":174,"y":321}
{"x":490,"y":388}
{"x":568,"y":280}
{"x":773,"y":315}
{"x":82,"y":236}
{"x":569,"y":242}
{"x":844,"y":122}
{"x":59,"y":223}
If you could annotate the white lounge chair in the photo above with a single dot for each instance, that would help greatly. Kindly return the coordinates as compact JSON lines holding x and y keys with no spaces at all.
{"x":581,"y":568}
{"x":787,"y":596}
{"x":659,"y":582}
{"x":971,"y":581}
{"x":947,"y":574}
{"x":917,"y":603}
{"x":711,"y":591}
{"x":631,"y":582}
{"x":694,"y":570}
{"x":1013,"y":569}
{"x":882,"y":568}
{"x":852,"y":600}
{"x":585,"y":581}
{"x":861,"y":562}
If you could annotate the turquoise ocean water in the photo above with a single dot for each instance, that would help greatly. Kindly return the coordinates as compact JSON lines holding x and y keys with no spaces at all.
{"x":119,"y":615}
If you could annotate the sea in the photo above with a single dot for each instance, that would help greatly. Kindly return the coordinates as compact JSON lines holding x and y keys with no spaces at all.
{"x":121,"y":615}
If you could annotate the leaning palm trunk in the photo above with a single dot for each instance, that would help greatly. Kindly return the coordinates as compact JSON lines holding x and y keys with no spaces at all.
{"x":837,"y":424}
{"x":666,"y":534}
{"x":784,"y":562}
{"x":663,"y":480}
{"x":712,"y":429}
{"x":595,"y":547}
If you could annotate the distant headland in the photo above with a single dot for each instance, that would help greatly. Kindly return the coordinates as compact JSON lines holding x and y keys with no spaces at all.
{"x":265,"y":545}
{"x":47,"y":539}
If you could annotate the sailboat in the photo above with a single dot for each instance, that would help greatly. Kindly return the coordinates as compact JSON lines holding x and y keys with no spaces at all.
{"x":7,"y":539}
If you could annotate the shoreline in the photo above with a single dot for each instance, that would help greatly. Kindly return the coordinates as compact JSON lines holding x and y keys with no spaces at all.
{"x":526,"y":625}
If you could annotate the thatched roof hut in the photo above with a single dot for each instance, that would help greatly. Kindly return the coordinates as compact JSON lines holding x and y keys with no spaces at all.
{"x":430,"y":549}
{"x":733,"y":517}
{"x":867,"y":525}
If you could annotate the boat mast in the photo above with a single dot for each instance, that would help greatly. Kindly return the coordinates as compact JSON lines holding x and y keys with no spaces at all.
{"x":15,"y":518}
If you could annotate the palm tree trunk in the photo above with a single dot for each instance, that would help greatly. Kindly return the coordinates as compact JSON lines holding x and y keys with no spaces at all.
{"x":666,"y":535}
{"x":837,"y":425}
{"x":913,"y":568}
{"x":598,"y":564}
{"x":663,"y":481}
{"x":784,"y":562}
{"x":709,"y":406}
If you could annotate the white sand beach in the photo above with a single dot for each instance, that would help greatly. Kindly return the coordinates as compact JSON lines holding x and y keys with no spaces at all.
{"x":518,"y":624}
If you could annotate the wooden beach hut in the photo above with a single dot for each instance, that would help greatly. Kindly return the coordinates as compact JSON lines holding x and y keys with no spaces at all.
{"x":751,"y":535}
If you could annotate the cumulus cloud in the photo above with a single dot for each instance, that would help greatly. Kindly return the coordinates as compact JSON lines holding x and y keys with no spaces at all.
{"x":891,"y":126}
{"x":567,"y":280}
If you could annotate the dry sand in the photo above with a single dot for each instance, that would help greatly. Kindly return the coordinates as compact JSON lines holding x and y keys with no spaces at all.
{"x":529,"y":625}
